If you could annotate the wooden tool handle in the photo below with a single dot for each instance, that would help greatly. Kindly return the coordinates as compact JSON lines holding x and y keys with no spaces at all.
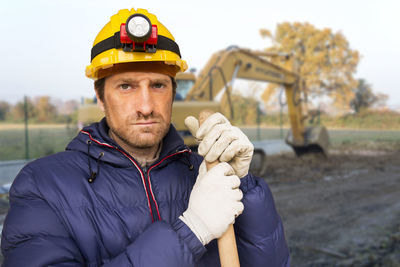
{"x":228,"y":254}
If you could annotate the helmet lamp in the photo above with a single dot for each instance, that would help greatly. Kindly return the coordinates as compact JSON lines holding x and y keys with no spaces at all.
{"x":138,"y":28}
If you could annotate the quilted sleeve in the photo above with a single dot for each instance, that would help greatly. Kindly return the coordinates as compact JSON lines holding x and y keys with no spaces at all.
{"x":259,"y":229}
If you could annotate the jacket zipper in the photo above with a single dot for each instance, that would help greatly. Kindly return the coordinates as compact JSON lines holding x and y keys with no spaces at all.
{"x":155,"y":216}
{"x":156,"y":213}
{"x":152,"y":203}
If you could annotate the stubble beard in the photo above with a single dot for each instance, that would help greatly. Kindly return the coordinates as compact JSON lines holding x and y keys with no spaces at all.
{"x":133,"y":136}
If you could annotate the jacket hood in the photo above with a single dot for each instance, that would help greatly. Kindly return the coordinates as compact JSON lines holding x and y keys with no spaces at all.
{"x":94,"y":141}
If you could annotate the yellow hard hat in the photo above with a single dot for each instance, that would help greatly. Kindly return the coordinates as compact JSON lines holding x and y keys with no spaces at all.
{"x":134,"y":36}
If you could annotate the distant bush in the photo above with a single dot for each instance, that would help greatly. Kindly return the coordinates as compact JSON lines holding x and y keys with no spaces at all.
{"x":40,"y":110}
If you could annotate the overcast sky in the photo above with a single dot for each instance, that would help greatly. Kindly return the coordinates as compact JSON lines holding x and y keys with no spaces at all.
{"x":46,"y":44}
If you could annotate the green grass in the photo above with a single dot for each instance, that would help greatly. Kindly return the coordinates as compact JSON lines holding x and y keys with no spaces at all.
{"x":343,"y":136}
{"x":42,"y":142}
{"x":365,"y":120}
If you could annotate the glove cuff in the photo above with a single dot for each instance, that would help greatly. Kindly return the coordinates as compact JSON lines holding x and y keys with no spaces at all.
{"x":197,"y":226}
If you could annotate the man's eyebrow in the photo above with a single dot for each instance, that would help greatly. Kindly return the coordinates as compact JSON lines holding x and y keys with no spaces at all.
{"x":125,"y":80}
{"x":130,"y":80}
{"x":160,"y":80}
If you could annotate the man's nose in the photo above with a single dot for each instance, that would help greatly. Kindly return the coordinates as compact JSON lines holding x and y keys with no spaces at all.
{"x":145,"y":102}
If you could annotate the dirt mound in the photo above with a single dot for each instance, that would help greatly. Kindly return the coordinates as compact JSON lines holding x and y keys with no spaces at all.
{"x":343,"y":210}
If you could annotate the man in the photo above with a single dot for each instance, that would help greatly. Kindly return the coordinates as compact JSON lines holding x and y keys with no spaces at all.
{"x":127,"y":191}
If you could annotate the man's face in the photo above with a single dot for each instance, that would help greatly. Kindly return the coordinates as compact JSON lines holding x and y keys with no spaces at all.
{"x":138,"y":108}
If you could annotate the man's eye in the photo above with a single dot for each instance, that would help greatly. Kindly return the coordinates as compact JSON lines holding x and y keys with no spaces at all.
{"x":125,"y":86}
{"x":158,"y":85}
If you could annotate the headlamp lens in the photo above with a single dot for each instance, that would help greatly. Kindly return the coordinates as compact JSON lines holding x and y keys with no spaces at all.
{"x":138,"y":26}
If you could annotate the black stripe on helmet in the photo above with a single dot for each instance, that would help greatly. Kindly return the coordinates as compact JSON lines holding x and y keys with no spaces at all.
{"x":163,"y":43}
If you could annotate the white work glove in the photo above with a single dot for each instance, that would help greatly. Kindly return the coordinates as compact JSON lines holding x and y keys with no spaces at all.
{"x":221,"y":141}
{"x":214,"y":203}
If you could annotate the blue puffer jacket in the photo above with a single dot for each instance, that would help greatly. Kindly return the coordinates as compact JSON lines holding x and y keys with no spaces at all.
{"x":127,"y":216}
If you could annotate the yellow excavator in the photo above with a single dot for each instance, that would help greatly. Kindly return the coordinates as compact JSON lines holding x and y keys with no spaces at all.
{"x":220,"y":73}
{"x":195,"y":94}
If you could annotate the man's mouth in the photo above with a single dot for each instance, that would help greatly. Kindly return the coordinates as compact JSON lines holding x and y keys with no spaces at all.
{"x":145,"y":123}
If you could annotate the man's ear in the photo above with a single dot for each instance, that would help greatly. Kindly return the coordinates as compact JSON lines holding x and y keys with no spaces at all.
{"x":100,"y":103}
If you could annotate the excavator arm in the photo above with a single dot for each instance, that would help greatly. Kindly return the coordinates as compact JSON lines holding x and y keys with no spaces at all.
{"x":227,"y":65}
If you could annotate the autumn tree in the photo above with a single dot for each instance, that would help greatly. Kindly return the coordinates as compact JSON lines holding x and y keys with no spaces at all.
{"x":45,"y":111}
{"x":365,"y":98}
{"x":17,"y":112}
{"x":322,"y":58}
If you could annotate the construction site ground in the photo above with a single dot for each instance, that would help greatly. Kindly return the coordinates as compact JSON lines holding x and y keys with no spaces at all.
{"x":343,"y":210}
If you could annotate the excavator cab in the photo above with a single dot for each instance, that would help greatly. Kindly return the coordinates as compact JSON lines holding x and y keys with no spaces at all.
{"x":185,"y":81}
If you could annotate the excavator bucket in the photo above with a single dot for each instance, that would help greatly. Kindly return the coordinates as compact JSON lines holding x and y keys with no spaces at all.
{"x":316,"y":141}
